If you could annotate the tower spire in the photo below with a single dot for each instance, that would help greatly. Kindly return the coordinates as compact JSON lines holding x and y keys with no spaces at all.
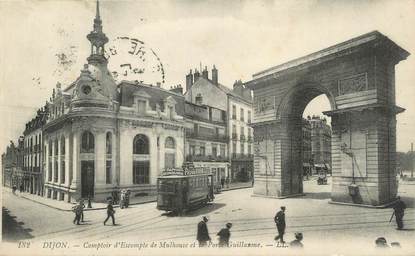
{"x":98,"y":39}
{"x":97,"y":12}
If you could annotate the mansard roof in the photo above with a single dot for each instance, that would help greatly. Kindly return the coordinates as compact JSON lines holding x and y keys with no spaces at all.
{"x":156,"y":95}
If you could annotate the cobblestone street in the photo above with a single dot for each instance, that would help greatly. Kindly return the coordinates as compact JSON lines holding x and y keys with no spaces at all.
{"x":252,"y":218}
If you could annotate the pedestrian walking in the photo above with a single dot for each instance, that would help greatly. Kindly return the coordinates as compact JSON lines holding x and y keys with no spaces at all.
{"x":21,"y":188}
{"x":279,"y":220}
{"x":81,"y":209}
{"x":110,"y":213}
{"x":227,"y":181}
{"x":222,"y":182}
{"x":14,"y":188}
{"x":296,"y":243}
{"x":122,"y":198}
{"x":202,"y":232}
{"x":399,"y":211}
{"x":224,"y":235}
{"x":77,"y":210}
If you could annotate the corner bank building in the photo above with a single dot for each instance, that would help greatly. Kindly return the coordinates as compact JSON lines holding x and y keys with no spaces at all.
{"x":100,"y":136}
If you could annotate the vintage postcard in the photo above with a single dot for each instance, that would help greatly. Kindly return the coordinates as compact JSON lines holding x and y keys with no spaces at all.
{"x":207,"y":127}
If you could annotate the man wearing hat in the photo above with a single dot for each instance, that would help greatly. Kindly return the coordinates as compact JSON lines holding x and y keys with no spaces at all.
{"x":224,"y":235}
{"x":202,"y":232}
{"x":280,"y":222}
{"x":399,"y":211}
{"x":297,"y":242}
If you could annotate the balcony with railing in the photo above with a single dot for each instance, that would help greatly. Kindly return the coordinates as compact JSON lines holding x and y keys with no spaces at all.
{"x":245,"y":157}
{"x":208,"y":158}
{"x":208,"y":137}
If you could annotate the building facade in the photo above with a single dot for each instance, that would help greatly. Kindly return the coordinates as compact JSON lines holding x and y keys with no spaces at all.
{"x":320,"y":141}
{"x":33,"y":164}
{"x":307,"y":152}
{"x":240,"y":132}
{"x":100,"y":136}
{"x":235,"y":112}
{"x":12,"y":165}
{"x":206,"y":139}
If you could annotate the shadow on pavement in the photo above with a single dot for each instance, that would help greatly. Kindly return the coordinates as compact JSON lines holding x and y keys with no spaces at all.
{"x":210,"y":207}
{"x":13,"y":230}
{"x":204,"y":210}
{"x":317,"y":195}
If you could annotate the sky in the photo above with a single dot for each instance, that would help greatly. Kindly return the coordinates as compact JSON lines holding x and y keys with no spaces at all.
{"x":44,"y":42}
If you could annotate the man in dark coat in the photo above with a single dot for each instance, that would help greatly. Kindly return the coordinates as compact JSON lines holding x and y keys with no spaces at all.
{"x":202,"y":232}
{"x":280,"y":222}
{"x":110,"y":213}
{"x":77,"y":210}
{"x":399,"y":210}
{"x":224,"y":235}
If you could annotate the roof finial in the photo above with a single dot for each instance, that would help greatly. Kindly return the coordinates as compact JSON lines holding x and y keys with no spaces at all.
{"x":97,"y":15}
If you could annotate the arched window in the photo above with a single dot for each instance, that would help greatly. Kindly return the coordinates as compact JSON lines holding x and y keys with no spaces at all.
{"x":109,"y":143}
{"x":87,"y":145}
{"x":141,"y":144}
{"x":170,"y":143}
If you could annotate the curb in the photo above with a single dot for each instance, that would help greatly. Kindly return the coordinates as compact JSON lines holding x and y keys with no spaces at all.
{"x":85,"y":209}
{"x":115,"y":206}
{"x":235,"y":188}
{"x":382,"y":206}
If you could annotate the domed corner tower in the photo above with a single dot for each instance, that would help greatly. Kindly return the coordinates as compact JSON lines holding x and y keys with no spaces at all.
{"x":95,"y":87}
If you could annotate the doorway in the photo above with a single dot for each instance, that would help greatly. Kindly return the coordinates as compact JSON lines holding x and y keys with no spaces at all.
{"x":87,"y":179}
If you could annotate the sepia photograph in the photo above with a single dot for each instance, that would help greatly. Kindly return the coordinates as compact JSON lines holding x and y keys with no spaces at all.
{"x":207,"y":127}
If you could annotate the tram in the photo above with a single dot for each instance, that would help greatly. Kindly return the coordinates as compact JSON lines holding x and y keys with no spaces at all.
{"x":179,"y":190}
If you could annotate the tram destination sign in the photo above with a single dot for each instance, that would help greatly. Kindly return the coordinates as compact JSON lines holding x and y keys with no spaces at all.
{"x":186,"y":171}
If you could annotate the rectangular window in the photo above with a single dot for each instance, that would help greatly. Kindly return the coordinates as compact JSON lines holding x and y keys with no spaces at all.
{"x":192,"y":150}
{"x":249,"y":117}
{"x":242,"y":115}
{"x":222,"y":150}
{"x":55,"y":178}
{"x":141,"y":172}
{"x":242,"y":130}
{"x":108,"y":174}
{"x":141,"y":105}
{"x":202,"y":150}
{"x":214,"y":150}
{"x":249,"y":149}
{"x":234,"y":112}
{"x":50,"y":171}
{"x":62,"y":181}
{"x":234,"y":147}
{"x":169,"y":160}
{"x":242,"y":148}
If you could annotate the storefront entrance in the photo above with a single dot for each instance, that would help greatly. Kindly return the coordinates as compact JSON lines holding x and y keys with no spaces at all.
{"x":87,"y":178}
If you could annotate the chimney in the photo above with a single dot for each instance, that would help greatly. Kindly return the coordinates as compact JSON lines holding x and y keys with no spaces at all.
{"x":215,"y":75}
{"x":189,"y":81}
{"x":205,"y":73}
{"x":177,"y":89}
{"x":196,"y":76}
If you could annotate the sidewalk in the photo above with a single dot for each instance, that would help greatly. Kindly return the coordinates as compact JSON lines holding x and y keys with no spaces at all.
{"x":238,"y":185}
{"x":65,"y":206}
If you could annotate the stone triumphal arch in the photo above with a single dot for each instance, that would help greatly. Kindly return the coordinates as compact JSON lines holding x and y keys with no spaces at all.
{"x":358,"y":77}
